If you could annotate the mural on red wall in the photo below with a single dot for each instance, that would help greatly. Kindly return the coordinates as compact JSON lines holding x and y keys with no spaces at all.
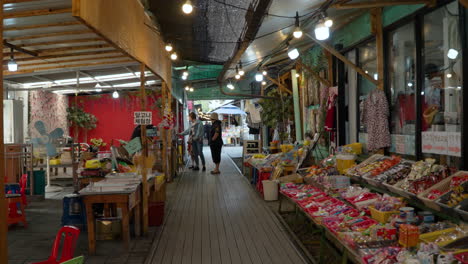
{"x":115,"y":116}
{"x":50,"y":108}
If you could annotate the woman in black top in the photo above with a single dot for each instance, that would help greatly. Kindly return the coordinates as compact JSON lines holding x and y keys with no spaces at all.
{"x":216,"y":142}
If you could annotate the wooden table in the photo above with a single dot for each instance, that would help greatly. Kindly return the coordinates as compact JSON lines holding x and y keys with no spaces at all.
{"x":127,"y":200}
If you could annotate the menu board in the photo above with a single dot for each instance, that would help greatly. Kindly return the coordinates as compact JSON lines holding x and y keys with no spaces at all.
{"x":442,"y":143}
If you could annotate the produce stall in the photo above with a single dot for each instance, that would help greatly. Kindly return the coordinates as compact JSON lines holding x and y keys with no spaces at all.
{"x":384,"y":209}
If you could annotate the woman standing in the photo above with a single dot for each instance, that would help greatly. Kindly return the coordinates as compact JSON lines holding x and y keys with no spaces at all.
{"x":216,"y":142}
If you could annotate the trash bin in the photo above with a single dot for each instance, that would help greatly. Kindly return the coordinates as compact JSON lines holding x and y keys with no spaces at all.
{"x":270,"y":190}
{"x":39,"y":182}
{"x":155,"y":213}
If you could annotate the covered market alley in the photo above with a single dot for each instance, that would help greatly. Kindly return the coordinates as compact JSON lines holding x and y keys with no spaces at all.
{"x":224,"y":131}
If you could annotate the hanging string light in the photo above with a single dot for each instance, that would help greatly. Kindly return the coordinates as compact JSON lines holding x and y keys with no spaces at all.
{"x":322,"y":32}
{"x":168,"y":47}
{"x":241,"y":71}
{"x":12,"y":65}
{"x":115,"y":94}
{"x":297,"y":30}
{"x":174,"y":56}
{"x":293,"y":53}
{"x":237,"y":74}
{"x":187,"y":7}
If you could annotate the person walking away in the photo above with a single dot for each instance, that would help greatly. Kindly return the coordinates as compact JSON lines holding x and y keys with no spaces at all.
{"x":196,"y":131}
{"x":216,"y":142}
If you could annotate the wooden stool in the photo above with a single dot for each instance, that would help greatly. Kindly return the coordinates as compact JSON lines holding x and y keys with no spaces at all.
{"x":13,"y":217}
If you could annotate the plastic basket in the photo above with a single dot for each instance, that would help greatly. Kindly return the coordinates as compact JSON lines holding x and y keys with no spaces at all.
{"x":431,"y":237}
{"x":381,"y":216}
{"x":395,"y":189}
{"x":352,"y":171}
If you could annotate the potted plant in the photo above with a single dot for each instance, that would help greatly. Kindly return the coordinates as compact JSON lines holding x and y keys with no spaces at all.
{"x":79,"y":119}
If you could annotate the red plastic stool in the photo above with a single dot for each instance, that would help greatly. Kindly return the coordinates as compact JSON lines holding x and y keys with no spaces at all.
{"x":23,"y":185}
{"x":70,"y":234}
{"x":13,"y":217}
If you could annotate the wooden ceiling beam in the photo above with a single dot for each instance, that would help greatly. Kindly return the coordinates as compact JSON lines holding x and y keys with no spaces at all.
{"x":55,"y":50}
{"x":59,"y":24}
{"x":18,"y":1}
{"x":280,"y":86}
{"x":59,"y":42}
{"x":374,"y":4}
{"x":38,"y":12}
{"x":317,"y":76}
{"x":89,"y":53}
{"x":21,"y":64}
{"x":68,"y":66}
{"x":54,"y":34}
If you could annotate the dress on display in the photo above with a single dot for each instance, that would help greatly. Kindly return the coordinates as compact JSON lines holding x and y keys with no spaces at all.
{"x":375,"y":115}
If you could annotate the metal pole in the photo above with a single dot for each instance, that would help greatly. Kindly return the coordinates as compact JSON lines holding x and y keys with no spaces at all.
{"x":297,"y":106}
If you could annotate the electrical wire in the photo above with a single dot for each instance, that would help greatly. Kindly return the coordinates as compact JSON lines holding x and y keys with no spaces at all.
{"x":267,"y":14}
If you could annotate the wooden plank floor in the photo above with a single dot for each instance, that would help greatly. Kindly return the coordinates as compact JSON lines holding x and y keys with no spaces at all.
{"x":220,"y":219}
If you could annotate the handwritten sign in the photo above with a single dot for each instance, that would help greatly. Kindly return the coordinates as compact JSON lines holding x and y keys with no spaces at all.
{"x":442,"y":143}
{"x":133,"y":146}
{"x":143,"y":118}
{"x":403,"y":144}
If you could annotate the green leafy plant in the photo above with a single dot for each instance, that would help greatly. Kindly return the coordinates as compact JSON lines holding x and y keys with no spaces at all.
{"x":77,"y":117}
{"x":277,"y":112}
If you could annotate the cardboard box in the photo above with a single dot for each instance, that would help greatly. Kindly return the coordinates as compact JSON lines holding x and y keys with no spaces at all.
{"x":159,"y":195}
{"x":109,"y":228}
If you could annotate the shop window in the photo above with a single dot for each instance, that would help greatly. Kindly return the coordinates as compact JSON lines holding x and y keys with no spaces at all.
{"x":367,"y":59}
{"x":441,"y":94}
{"x":402,"y":89}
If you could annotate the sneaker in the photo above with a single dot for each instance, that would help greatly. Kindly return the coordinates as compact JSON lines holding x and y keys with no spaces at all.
{"x":204,"y":168}
{"x":215,"y":172}
{"x":191,"y":167}
{"x":196,"y":169}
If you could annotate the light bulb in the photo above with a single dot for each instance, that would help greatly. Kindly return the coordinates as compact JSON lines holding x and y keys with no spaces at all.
{"x":174,"y":56}
{"x":452,"y":54}
{"x":258,"y":77}
{"x":322,"y":32}
{"x":297,"y":75}
{"x":297,"y":33}
{"x":297,"y":30}
{"x":263,"y":83}
{"x":115,"y":95}
{"x":328,"y":22}
{"x":168,"y":47}
{"x":12,"y":65}
{"x":99,"y":90}
{"x":187,"y":88}
{"x":185,"y":73}
{"x":241,"y":72}
{"x":449,"y":75}
{"x":184,"y":77}
{"x":293,"y":53}
{"x":376,"y":76}
{"x":265,"y":73}
{"x":410,"y":84}
{"x":237,"y":76}
{"x":187,"y":8}
{"x":191,"y":89}
{"x":230,"y":86}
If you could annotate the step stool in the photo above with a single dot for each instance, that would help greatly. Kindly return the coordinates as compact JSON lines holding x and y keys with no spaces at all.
{"x":13,"y":201}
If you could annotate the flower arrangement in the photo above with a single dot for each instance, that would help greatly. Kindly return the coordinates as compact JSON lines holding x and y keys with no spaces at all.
{"x":168,"y":119}
{"x":96,"y":143}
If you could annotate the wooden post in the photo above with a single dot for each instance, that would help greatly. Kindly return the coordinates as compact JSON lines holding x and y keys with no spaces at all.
{"x":340,"y":56}
{"x":3,"y":205}
{"x":464,"y":3}
{"x":144,"y":171}
{"x":329,"y":57}
{"x":377,"y":30}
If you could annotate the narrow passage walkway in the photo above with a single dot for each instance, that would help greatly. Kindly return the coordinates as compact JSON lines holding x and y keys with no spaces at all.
{"x":220,"y":219}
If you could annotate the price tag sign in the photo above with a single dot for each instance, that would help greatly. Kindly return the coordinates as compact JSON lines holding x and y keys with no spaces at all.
{"x":143,"y":118}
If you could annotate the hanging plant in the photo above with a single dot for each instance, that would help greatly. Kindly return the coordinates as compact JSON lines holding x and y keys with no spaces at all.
{"x":79,"y":119}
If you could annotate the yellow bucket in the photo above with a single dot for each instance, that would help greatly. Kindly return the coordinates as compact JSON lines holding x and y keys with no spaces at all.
{"x":344,"y":162}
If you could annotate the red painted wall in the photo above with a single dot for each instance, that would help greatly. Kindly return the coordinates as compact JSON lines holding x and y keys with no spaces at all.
{"x":115,"y":116}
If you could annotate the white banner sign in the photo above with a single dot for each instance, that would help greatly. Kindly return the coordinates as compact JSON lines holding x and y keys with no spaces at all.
{"x":443,"y":143}
{"x":143,"y":118}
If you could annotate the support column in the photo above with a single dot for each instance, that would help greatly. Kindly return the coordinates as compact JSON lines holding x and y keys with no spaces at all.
{"x":377,"y":30}
{"x":144,"y":171}
{"x":341,"y":100}
{"x":3,"y":205}
{"x":297,"y":107}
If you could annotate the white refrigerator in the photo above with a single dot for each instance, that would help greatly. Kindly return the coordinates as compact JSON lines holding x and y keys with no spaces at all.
{"x":13,"y":121}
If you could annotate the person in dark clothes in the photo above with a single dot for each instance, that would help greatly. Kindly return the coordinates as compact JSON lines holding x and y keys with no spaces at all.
{"x":207,"y":129}
{"x":216,"y":142}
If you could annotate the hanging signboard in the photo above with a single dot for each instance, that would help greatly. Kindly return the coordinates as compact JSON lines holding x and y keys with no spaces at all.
{"x":143,"y":118}
{"x":133,"y":146}
{"x":442,"y":143}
